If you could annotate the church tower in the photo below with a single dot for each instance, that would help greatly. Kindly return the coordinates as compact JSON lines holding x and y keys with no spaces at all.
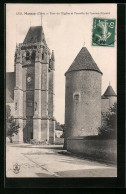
{"x":34,"y":88}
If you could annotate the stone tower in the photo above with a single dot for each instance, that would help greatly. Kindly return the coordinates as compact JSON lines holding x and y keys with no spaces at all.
{"x":34,"y":88}
{"x":108,"y":99}
{"x":82,"y":97}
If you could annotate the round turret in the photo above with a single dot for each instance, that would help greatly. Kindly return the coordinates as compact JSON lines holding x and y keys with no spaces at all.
{"x":108,"y":99}
{"x":83,"y":96}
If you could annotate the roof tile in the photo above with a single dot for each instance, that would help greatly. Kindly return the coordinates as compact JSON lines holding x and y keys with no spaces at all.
{"x":109,"y":92}
{"x":83,"y":61}
{"x":35,"y":34}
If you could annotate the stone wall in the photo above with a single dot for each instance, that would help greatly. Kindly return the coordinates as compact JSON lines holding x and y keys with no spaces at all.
{"x":82,"y":103}
{"x":51,"y":94}
{"x":104,"y":105}
{"x":112,"y":100}
{"x":12,"y":107}
{"x":97,"y":149}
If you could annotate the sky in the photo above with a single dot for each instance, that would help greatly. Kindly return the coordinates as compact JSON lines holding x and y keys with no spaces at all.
{"x":67,"y":27}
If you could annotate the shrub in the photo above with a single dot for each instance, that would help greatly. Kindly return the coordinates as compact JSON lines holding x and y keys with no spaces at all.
{"x":11,"y":126}
{"x":64,"y":128}
{"x":109,"y":126}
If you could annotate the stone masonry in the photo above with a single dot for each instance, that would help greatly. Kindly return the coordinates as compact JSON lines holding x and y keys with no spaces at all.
{"x":34,"y":68}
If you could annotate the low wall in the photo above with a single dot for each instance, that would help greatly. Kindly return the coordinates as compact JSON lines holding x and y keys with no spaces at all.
{"x":97,"y":149}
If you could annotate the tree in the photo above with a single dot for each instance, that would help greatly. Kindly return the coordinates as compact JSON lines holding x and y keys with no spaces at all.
{"x":63,"y":127}
{"x":11,"y":126}
{"x":109,"y":126}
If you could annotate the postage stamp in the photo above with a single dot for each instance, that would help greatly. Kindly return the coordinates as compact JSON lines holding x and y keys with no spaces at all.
{"x":103,"y":32}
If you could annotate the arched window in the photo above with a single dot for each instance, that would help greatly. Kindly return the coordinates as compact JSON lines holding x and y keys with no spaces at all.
{"x":27,"y":56}
{"x":33,"y":56}
{"x":43,"y":56}
{"x":76,"y":97}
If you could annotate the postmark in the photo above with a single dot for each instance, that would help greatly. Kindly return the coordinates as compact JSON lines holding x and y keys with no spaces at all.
{"x":16,"y":168}
{"x":103,"y":33}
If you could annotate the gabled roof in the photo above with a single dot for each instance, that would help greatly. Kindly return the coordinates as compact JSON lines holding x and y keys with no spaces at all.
{"x":83,"y":61}
{"x":10,"y":84}
{"x":109,"y":92}
{"x":35,"y":34}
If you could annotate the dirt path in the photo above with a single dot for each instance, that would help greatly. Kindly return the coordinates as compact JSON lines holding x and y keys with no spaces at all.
{"x":48,"y":161}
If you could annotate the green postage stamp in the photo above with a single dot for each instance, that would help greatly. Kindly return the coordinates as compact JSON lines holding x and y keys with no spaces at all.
{"x":103,"y":32}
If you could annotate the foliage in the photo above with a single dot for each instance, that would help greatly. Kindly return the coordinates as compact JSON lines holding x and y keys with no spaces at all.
{"x":63,"y":127}
{"x":11,"y":126}
{"x":109,"y":126}
{"x":36,"y":142}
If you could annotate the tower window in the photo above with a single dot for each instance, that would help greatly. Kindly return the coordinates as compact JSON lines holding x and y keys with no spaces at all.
{"x":27,"y":56}
{"x":76,"y":97}
{"x":30,"y":103}
{"x":33,"y":56}
{"x":16,"y":106}
{"x":42,"y":56}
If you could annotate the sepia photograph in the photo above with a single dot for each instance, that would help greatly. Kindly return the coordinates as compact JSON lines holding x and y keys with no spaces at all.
{"x":61,"y":90}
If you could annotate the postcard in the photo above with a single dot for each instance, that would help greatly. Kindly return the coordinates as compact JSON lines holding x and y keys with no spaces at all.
{"x":61,"y":90}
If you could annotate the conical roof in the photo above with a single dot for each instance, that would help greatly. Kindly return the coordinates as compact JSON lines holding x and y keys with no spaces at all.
{"x":109,"y":92}
{"x":35,"y":34}
{"x":83,"y":61}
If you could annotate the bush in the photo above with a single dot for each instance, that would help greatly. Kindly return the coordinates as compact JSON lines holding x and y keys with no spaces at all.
{"x":64,"y":128}
{"x":109,"y":126}
{"x":36,"y":142}
{"x":11,"y":126}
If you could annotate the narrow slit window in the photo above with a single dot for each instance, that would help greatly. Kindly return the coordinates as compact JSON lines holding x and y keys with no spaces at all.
{"x":16,"y":106}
